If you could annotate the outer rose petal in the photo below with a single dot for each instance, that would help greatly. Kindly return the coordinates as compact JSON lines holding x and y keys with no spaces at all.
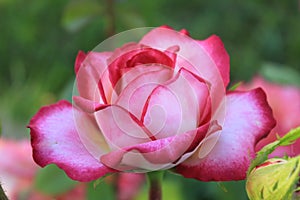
{"x":162,"y":38}
{"x":285,"y":102}
{"x":79,"y":59}
{"x":158,"y":154}
{"x":89,"y":72}
{"x":215,"y":48}
{"x":193,"y":57}
{"x":248,"y":119}
{"x":54,"y":139}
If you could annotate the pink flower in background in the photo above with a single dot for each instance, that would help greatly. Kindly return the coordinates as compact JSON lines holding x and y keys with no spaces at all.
{"x":157,"y":104}
{"x":17,"y":172}
{"x":128,"y":185}
{"x":285,"y":103}
{"x":17,"y":168}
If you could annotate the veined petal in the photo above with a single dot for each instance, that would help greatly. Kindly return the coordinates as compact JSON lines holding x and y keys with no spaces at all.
{"x":92,"y":70}
{"x":87,"y":105}
{"x":248,"y":119}
{"x":196,"y":58}
{"x":215,"y":48}
{"x":155,"y":155}
{"x":79,"y":59}
{"x":177,"y":106}
{"x":120,"y":128}
{"x":54,"y":139}
{"x":131,"y":55}
{"x":136,"y":72}
{"x":134,"y":96}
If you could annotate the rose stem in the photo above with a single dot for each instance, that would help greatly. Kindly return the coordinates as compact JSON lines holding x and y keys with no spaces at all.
{"x":155,"y":182}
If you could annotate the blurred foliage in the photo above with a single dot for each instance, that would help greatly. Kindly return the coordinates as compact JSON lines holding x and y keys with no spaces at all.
{"x":40,"y":39}
{"x":47,"y":180}
{"x":103,"y":190}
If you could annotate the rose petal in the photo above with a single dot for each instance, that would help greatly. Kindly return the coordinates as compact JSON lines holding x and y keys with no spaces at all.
{"x":54,"y":139}
{"x":155,"y":155}
{"x":134,"y":96}
{"x":132,"y":55}
{"x":215,"y":48}
{"x":193,"y":57}
{"x":120,"y":128}
{"x":79,"y":59}
{"x":92,"y":70}
{"x":89,"y":133}
{"x":211,"y":49}
{"x":248,"y":119}
{"x":177,"y":106}
{"x":87,"y":105}
{"x":285,"y":102}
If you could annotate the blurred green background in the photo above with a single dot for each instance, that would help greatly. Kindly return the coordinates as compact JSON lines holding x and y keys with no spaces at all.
{"x":39,"y":41}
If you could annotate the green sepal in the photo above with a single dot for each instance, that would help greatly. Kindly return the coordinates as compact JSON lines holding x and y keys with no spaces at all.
{"x":236,"y":85}
{"x":99,"y":180}
{"x":263,"y":154}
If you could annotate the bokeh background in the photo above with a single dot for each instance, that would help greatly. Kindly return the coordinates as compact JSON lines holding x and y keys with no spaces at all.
{"x":39,"y":41}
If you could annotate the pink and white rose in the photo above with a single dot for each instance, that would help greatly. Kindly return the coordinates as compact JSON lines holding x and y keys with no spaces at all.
{"x":160,"y":103}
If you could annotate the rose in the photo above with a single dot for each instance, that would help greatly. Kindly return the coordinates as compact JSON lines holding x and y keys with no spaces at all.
{"x":285,"y":102}
{"x":157,"y":104}
{"x":16,"y":177}
{"x":18,"y":171}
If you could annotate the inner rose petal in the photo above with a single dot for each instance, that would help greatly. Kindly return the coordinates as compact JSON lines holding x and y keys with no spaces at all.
{"x":135,"y":55}
{"x":120,"y":128}
{"x":134,"y":96}
{"x":177,"y":106}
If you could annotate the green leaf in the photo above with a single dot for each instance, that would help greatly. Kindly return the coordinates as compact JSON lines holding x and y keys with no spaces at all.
{"x":290,"y":137}
{"x":263,"y":154}
{"x":275,"y":179}
{"x":236,"y":85}
{"x":52,"y":180}
{"x":80,"y":12}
